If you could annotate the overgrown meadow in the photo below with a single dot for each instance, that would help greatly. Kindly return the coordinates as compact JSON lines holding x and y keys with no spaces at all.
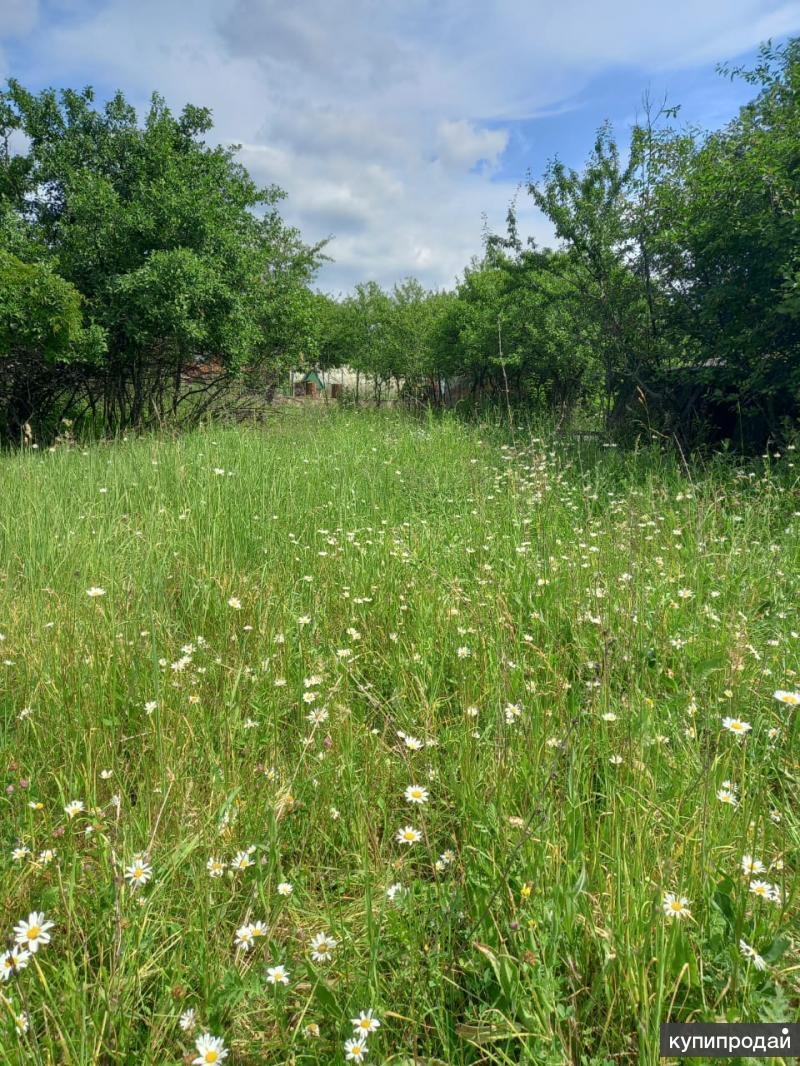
{"x":357,"y":737}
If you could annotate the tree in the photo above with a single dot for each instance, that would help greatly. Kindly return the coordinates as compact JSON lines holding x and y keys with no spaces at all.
{"x":178,"y":257}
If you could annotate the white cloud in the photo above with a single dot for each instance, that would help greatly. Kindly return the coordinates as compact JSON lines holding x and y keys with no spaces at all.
{"x":463,"y":145}
{"x":385,"y":120}
{"x":18,"y":16}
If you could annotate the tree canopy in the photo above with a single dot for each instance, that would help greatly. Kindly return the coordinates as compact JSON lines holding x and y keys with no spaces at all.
{"x":151,"y":251}
{"x":132,"y":250}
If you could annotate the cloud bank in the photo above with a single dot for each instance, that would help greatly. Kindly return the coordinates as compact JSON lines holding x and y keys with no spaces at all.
{"x":390,"y":123}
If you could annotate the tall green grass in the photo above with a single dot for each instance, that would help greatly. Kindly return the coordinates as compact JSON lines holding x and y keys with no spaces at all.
{"x":563,"y":628}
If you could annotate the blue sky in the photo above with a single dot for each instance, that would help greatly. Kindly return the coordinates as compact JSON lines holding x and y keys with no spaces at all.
{"x":395,"y":125}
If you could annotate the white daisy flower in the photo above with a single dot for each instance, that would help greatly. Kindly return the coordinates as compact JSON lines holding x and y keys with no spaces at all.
{"x":13,"y":961}
{"x":209,"y":1049}
{"x":322,"y":947}
{"x":676,"y":906}
{"x":33,"y":932}
{"x":277,"y":975}
{"x":355,"y":1049}
{"x":188,"y":1020}
{"x":736,"y":725}
{"x":365,"y":1023}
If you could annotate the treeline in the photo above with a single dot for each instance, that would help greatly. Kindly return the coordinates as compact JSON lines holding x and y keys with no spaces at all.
{"x":143,"y":275}
{"x":134,"y":257}
{"x":672,"y":302}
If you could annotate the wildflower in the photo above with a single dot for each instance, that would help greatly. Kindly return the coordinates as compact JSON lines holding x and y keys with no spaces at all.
{"x":615,"y":760}
{"x":95,"y":591}
{"x":33,"y":932}
{"x":725,"y":795}
{"x":393,"y":890}
{"x":44,"y":858}
{"x":790,"y":698}
{"x":285,"y":889}
{"x":609,"y":716}
{"x":676,"y":906}
{"x":512,"y":712}
{"x":188,"y":1020}
{"x":355,"y":1049}
{"x":365,"y":1023}
{"x":35,"y":805}
{"x":258,"y":930}
{"x":752,"y":955}
{"x":12,"y":961}
{"x":412,"y":743}
{"x":322,"y":947}
{"x":311,"y":1031}
{"x":463,"y":653}
{"x":277,"y":975}
{"x":105,"y":775}
{"x":408,"y":835}
{"x":765,"y":890}
{"x":18,"y":854}
{"x":241,"y":860}
{"x":73,"y":807}
{"x":209,"y":1049}
{"x":21,"y":1022}
{"x":736,"y":725}
{"x":235,"y":603}
{"x":416,"y":794}
{"x":243,"y":938}
{"x":215,"y":867}
{"x":150,"y":706}
{"x":751,"y":865}
{"x":139,"y":872}
{"x":318,"y":716}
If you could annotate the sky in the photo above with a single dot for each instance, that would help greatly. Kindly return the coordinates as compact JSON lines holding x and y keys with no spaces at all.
{"x":400,"y":128}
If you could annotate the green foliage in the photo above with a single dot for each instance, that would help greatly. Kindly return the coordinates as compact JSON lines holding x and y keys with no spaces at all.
{"x":178,"y":257}
{"x":672,"y":303}
{"x":416,"y":577}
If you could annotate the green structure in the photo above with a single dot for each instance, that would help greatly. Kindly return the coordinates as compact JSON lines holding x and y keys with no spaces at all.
{"x":312,"y":375}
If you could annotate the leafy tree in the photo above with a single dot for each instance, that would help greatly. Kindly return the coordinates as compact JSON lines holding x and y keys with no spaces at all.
{"x":730,"y":246}
{"x":42,"y":338}
{"x":179,"y":257}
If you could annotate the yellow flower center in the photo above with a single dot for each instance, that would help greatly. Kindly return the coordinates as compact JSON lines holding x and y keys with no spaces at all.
{"x":211,"y":1056}
{"x":676,"y":905}
{"x":33,"y":932}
